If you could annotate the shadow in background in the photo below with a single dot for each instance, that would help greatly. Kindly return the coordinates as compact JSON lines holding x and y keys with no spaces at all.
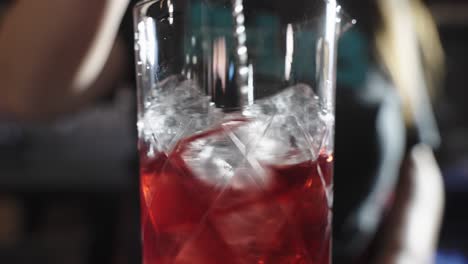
{"x":69,"y":190}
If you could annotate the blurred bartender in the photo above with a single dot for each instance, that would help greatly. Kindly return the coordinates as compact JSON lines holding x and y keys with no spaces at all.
{"x":56,"y":55}
{"x":388,"y":187}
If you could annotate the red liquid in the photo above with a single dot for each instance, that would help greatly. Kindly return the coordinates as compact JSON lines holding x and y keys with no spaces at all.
{"x":186,"y":220}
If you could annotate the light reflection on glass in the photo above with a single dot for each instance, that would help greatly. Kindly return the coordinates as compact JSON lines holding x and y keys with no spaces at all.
{"x":289,"y":52}
{"x":220,"y":61}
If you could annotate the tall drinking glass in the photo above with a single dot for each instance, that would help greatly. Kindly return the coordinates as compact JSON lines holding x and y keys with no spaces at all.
{"x":236,"y":121}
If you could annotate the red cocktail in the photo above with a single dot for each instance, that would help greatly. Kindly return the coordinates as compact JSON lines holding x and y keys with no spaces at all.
{"x":236,"y":123}
{"x":188,"y":218}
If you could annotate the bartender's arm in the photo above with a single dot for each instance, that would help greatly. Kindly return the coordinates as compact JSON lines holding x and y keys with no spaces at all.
{"x":56,"y":55}
{"x":412,"y":228}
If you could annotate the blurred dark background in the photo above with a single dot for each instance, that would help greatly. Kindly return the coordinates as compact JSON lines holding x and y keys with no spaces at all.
{"x":451,"y":111}
{"x":69,"y":190}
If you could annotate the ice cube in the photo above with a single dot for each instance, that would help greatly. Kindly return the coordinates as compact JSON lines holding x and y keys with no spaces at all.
{"x":281,"y":130}
{"x":295,"y":126}
{"x":206,"y":246}
{"x":176,"y":109}
{"x":221,"y":157}
{"x":252,"y":228}
{"x":256,"y":227}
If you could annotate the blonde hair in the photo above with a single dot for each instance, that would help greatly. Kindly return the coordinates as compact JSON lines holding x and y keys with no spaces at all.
{"x":409,"y":46}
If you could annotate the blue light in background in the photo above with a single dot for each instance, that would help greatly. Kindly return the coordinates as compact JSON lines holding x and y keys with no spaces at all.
{"x":450,"y":258}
